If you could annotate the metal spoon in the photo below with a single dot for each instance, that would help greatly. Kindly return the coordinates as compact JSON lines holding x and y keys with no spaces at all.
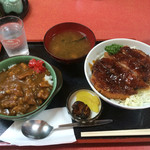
{"x":39,"y":129}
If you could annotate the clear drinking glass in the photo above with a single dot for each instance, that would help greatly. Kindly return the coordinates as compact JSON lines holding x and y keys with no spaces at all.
{"x":12,"y":36}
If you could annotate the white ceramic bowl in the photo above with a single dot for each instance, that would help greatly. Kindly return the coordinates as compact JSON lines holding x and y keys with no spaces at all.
{"x":98,"y":52}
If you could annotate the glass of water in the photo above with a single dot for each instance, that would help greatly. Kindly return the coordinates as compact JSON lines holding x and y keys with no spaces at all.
{"x":12,"y":36}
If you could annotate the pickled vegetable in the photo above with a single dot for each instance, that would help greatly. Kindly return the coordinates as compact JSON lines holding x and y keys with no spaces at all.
{"x":89,"y":99}
{"x":81,"y":110}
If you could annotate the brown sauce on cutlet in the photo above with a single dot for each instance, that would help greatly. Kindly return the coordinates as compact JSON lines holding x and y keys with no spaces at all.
{"x":113,"y":75}
{"x":136,"y":60}
{"x":122,"y":73}
{"x":133,"y":53}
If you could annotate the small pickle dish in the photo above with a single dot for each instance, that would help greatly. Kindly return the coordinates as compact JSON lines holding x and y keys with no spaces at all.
{"x":28,"y":96}
{"x":84,"y":106}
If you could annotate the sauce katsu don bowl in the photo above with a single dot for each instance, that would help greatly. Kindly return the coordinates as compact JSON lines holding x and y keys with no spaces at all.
{"x":28,"y":84}
{"x":118,"y":70}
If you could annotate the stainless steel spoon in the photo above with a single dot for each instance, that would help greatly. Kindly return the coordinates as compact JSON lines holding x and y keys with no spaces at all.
{"x":39,"y":129}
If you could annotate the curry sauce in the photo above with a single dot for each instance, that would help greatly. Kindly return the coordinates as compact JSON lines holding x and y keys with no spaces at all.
{"x":22,"y":89}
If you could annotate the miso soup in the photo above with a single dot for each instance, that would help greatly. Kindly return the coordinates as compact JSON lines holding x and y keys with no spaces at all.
{"x":69,"y":45}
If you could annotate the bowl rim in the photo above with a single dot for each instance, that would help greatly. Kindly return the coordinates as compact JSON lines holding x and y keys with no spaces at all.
{"x":67,"y":23}
{"x":91,"y":85}
{"x":47,"y":101}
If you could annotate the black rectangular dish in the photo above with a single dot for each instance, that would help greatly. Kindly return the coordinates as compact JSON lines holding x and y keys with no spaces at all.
{"x":73,"y":79}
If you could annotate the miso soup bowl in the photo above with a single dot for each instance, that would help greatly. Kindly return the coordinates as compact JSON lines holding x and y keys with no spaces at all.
{"x":68,"y":26}
{"x":18,"y":59}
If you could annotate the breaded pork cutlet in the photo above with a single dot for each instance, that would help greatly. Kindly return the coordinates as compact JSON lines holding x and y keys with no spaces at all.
{"x":120,"y":75}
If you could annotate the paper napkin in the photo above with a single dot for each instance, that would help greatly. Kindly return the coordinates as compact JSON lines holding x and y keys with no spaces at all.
{"x":54,"y":117}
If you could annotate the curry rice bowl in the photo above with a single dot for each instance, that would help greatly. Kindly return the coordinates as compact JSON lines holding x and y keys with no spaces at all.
{"x":23,"y":89}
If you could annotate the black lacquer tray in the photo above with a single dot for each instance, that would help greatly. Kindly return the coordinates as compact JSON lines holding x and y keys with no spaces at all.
{"x":74,"y":78}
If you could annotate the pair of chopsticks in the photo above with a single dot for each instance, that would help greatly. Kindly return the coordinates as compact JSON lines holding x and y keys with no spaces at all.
{"x":131,"y":132}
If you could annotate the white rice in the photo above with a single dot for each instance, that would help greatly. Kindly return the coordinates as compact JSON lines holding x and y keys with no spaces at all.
{"x":11,"y":66}
{"x":49,"y":79}
{"x":3,"y":70}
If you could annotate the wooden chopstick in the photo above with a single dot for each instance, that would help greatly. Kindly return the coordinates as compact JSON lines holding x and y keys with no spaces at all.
{"x":131,"y":132}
